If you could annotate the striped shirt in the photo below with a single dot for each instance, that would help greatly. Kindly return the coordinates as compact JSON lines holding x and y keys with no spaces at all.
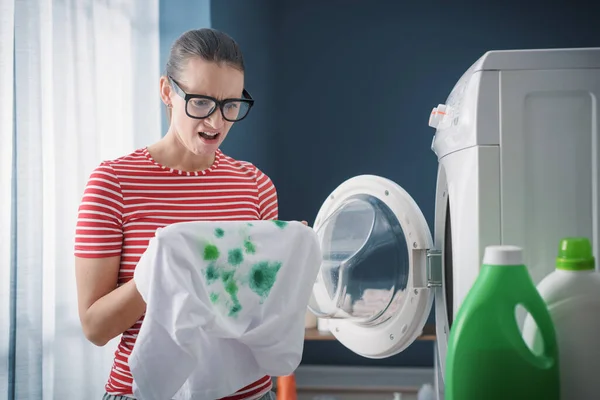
{"x":127,"y":199}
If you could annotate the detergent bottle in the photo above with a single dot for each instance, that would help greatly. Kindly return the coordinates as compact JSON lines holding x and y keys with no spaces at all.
{"x":487,"y":358}
{"x":572,"y":294}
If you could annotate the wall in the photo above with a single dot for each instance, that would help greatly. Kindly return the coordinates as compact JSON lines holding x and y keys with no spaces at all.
{"x":357,"y":82}
{"x":252,"y":25}
{"x":176,"y":17}
{"x":346,"y":87}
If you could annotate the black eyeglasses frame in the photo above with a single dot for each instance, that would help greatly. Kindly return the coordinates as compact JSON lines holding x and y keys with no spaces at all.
{"x":220,"y":103}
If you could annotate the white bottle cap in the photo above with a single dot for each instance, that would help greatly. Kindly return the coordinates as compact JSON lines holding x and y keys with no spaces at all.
{"x":503,"y":255}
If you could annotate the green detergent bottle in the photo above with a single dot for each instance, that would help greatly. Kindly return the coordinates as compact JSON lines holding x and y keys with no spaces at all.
{"x":487,"y":358}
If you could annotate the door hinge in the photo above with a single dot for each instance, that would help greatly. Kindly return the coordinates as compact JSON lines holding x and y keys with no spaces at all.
{"x":434,"y":268}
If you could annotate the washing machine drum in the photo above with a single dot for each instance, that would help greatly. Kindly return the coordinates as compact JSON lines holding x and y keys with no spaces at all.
{"x":372,"y":284}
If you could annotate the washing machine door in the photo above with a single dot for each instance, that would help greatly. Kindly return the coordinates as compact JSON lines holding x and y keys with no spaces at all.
{"x":378,"y":267}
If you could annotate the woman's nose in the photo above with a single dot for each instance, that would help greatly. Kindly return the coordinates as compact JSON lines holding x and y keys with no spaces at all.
{"x":216,"y":120}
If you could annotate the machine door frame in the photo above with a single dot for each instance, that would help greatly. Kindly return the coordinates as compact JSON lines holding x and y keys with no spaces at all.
{"x":406,"y":324}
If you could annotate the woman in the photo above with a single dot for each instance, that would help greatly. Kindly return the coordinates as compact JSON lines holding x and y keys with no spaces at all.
{"x":182,"y":177}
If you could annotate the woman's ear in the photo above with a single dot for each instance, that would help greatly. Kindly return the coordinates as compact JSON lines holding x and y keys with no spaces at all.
{"x":165,"y":95}
{"x":165,"y":90}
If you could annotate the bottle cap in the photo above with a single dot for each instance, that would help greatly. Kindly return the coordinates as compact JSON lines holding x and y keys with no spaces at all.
{"x":575,"y":254}
{"x":503,"y":255}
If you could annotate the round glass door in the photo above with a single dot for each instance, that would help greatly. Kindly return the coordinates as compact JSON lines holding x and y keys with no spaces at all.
{"x":364,"y":272}
{"x":372,"y":284}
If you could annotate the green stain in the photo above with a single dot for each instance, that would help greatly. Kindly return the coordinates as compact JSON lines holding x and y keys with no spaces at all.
{"x":231,"y":288}
{"x":212,"y":273}
{"x":250,"y":224}
{"x":249,"y":247}
{"x":235,"y":309}
{"x":219,"y":232}
{"x":211,"y":252}
{"x":281,"y":224}
{"x":262,"y":277}
{"x":214,"y":297}
{"x":226,"y":276}
{"x":235,"y":257}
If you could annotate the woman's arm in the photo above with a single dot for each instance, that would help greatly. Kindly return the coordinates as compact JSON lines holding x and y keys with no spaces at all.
{"x":267,"y":197}
{"x":105,"y":311}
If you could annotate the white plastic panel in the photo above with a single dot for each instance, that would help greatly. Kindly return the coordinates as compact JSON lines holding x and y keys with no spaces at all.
{"x":472,"y":108}
{"x":471,"y":115}
{"x":550,"y":161}
{"x":539,"y":59}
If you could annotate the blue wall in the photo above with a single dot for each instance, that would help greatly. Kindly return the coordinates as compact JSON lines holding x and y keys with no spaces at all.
{"x":176,"y":17}
{"x":251,"y":24}
{"x":346,"y":88}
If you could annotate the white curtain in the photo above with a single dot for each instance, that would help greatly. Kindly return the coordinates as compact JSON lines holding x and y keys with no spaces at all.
{"x":78,"y":84}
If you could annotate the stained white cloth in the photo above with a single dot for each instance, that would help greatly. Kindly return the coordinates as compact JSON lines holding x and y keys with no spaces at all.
{"x":225,"y":305}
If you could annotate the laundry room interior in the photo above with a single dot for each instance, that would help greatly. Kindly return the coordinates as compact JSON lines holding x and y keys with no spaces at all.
{"x":346,"y":89}
{"x":342,"y":89}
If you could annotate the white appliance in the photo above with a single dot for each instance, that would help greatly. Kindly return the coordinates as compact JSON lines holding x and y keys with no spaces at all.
{"x":518,"y":149}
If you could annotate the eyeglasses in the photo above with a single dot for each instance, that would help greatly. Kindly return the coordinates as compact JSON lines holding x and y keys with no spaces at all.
{"x":200,"y":107}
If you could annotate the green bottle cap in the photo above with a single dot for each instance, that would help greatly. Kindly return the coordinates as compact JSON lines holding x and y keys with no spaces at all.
{"x":575,"y":254}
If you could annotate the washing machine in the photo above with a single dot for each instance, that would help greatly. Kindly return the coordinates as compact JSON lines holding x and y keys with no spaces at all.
{"x":518,"y":149}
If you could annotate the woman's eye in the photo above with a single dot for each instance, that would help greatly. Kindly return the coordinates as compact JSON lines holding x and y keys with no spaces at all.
{"x":201,"y":103}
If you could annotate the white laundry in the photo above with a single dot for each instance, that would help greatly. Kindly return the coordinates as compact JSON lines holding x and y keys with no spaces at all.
{"x":225,"y":306}
{"x":373,"y":301}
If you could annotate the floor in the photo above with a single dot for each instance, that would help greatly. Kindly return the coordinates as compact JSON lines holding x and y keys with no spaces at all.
{"x":356,"y":396}
{"x":360,"y":383}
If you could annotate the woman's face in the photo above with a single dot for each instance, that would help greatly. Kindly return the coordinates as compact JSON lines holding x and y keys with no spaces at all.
{"x":221,"y":81}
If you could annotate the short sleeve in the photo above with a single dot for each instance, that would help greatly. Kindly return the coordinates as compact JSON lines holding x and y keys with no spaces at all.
{"x":99,"y":231}
{"x":267,"y":196}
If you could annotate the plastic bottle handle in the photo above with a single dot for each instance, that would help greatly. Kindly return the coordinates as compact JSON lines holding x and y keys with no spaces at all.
{"x":538,"y":312}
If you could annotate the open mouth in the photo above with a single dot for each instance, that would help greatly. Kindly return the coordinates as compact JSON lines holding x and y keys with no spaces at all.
{"x":209,"y":136}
